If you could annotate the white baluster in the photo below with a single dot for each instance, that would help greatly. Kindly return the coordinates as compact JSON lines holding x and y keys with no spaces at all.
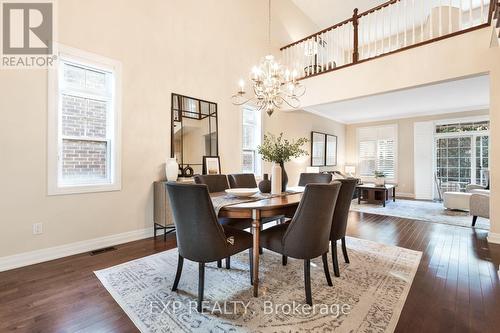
{"x":460,"y":23}
{"x":413,"y":21}
{"x":390,"y":10}
{"x":482,"y":11}
{"x":471,"y":20}
{"x":440,"y":21}
{"x":450,"y":26}
{"x":397,"y":10}
{"x":431,"y":30}
{"x":383,"y":29}
{"x":422,"y":21}
{"x":405,"y":23}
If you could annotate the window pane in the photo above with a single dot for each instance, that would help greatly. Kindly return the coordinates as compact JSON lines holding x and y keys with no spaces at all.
{"x":74,"y":76}
{"x":251,"y":134}
{"x":84,"y":161}
{"x":248,"y":137}
{"x":248,"y":161}
{"x":83,"y":117}
{"x":95,"y":80}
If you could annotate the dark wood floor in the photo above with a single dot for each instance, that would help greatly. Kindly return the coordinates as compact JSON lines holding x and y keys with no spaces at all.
{"x":456,"y":288}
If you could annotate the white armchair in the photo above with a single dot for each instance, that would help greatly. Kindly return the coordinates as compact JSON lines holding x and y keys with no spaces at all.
{"x":479,"y":206}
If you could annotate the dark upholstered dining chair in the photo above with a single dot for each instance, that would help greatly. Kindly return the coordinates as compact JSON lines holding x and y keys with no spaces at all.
{"x":219,"y":183}
{"x":314,"y":178}
{"x":242,"y":180}
{"x":340,"y":217}
{"x":215,"y":183}
{"x":307,"y":235}
{"x":247,"y":180}
{"x":200,"y":237}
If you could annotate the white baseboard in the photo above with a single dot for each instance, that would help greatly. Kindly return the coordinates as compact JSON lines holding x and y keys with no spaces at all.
{"x":51,"y":253}
{"x":493,"y":238}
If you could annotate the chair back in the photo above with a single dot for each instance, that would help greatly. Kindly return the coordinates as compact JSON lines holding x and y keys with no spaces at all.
{"x":200,"y":237}
{"x":341,"y":213}
{"x":314,"y":178}
{"x":242,"y":180}
{"x":215,"y":183}
{"x":308,"y":235}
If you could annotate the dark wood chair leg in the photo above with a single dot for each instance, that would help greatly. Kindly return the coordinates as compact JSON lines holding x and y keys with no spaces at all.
{"x":201,"y":285}
{"x":307,"y":280}
{"x":344,"y":251}
{"x":219,"y":263}
{"x":336,"y":270}
{"x":474,"y":220}
{"x":284,"y":260}
{"x":250,"y":259}
{"x":180,"y":262}
{"x":260,"y":247}
{"x":327,"y":271}
{"x":228,"y":263}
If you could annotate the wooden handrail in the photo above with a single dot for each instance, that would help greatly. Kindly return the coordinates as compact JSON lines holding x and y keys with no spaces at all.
{"x":374,"y":9}
{"x":317,"y":33}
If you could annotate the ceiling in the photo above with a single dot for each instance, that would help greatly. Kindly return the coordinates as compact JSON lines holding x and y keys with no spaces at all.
{"x":325,"y":13}
{"x":447,"y":97}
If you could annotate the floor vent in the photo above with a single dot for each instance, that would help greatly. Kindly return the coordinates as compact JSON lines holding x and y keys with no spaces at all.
{"x":104,"y":250}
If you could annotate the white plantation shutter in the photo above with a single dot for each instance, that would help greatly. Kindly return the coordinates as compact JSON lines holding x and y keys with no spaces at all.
{"x":377,"y":150}
{"x":386,"y":159}
{"x":367,"y":157}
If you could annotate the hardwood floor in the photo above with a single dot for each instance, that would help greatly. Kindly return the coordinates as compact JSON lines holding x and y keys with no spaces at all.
{"x":456,"y":288}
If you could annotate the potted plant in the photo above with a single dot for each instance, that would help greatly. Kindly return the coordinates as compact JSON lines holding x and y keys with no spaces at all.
{"x":278,"y":150}
{"x":379,"y":178}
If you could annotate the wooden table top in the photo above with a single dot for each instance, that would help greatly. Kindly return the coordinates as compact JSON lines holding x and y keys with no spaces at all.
{"x":265,"y":204}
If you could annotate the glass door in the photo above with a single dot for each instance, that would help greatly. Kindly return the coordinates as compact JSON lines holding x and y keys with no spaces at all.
{"x":482,"y":159}
{"x":454,"y":162}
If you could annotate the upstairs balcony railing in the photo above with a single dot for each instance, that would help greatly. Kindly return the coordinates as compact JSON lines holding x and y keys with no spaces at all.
{"x":394,"y":26}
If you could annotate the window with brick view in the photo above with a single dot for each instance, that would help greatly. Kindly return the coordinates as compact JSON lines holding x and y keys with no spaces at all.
{"x":86,"y":121}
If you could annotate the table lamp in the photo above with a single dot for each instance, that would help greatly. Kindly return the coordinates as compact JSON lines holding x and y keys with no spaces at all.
{"x":350,"y":170}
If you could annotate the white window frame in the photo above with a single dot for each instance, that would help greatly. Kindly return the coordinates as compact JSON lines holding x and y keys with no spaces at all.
{"x":396,"y":152}
{"x":55,"y":187}
{"x":258,"y":159}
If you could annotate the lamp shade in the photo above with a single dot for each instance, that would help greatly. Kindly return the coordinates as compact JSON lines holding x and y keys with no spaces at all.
{"x":351,"y":169}
{"x":312,"y":170}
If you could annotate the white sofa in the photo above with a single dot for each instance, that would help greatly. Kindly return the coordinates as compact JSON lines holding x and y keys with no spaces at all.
{"x":457,"y":200}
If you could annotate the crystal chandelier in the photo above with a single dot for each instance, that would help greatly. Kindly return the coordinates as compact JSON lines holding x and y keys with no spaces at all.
{"x":273,"y":85}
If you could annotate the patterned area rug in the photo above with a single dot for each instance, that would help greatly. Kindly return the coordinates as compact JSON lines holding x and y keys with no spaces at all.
{"x":368,"y":297}
{"x":427,"y":211}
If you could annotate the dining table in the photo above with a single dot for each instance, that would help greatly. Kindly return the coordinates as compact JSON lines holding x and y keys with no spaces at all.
{"x":258,"y":208}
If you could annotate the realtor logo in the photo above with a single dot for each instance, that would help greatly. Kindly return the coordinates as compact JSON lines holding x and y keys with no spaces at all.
{"x":27,"y":33}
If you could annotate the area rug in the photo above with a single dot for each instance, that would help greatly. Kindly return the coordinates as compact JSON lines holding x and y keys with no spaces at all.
{"x":368,"y":297}
{"x":428,"y":211}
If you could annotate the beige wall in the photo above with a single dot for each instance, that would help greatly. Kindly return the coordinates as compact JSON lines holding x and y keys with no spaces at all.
{"x":192,"y":47}
{"x":300,"y":124}
{"x":405,"y":172}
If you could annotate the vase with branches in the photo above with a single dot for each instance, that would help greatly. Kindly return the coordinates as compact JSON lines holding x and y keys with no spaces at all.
{"x":279,"y":150}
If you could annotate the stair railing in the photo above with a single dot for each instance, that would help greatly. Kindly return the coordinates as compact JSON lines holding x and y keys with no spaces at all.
{"x":393,"y":26}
